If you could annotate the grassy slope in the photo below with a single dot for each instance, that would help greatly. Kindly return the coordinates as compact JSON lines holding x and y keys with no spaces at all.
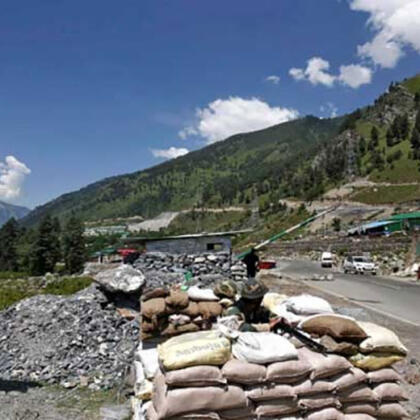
{"x":413,"y":84}
{"x":392,"y":194}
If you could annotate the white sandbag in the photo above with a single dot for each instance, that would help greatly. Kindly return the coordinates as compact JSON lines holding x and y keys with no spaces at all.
{"x":197,"y":294}
{"x":281,"y":311}
{"x":308,"y":305}
{"x":380,"y":339}
{"x":263,"y":348}
{"x":150,"y":360}
{"x":271,"y":300}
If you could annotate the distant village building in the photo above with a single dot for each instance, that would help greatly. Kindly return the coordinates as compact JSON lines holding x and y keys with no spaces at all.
{"x":186,"y":244}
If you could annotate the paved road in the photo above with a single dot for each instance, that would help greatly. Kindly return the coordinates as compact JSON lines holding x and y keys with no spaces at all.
{"x":389,"y":296}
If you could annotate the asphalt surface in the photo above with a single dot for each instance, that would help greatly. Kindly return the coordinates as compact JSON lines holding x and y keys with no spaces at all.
{"x":395,"y":298}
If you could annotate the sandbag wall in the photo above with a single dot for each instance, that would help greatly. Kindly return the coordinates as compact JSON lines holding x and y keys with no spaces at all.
{"x":203,"y":376}
{"x":168,"y":312}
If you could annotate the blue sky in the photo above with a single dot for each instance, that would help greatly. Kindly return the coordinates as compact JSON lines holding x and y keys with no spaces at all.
{"x":90,"y":89}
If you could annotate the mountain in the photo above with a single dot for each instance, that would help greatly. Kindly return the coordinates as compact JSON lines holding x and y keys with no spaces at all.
{"x":301,"y":158}
{"x":7,"y":211}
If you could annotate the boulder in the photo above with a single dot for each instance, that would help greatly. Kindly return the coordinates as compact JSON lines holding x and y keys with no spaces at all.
{"x":124,"y":278}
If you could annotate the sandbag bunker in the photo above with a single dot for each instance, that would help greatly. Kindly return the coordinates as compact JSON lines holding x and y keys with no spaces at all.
{"x":223,"y":374}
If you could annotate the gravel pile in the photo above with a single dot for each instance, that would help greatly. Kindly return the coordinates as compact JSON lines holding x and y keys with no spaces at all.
{"x":72,"y":340}
{"x":164,"y":269}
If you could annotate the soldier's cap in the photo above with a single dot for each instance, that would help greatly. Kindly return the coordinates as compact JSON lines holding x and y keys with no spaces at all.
{"x":253,"y":289}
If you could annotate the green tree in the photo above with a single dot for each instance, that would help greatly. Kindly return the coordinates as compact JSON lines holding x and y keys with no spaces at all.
{"x":74,"y":245}
{"x":9,"y":236}
{"x":336,"y":223}
{"x":46,"y":250}
{"x":374,"y":137}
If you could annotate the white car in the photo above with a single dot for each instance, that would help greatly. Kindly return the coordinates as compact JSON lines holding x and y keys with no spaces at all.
{"x":327,"y":259}
{"x":359,"y":265}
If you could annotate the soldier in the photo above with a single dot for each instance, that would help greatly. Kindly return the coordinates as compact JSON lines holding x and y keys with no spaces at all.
{"x":251,"y":261}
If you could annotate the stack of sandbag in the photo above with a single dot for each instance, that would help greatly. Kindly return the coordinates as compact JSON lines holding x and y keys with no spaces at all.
{"x":380,"y":349}
{"x":168,"y":312}
{"x":145,"y":366}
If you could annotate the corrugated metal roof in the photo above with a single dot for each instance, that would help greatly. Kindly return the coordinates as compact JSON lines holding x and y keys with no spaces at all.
{"x":380,"y":223}
{"x":413,"y":215}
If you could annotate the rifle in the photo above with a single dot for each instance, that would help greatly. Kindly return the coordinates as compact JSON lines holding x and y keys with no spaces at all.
{"x":280,"y":324}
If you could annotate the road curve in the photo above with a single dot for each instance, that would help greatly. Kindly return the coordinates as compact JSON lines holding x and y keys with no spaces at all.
{"x":391,"y":297}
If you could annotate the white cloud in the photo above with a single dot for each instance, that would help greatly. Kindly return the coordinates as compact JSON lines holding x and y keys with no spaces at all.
{"x":12,"y":176}
{"x":225,"y":117}
{"x":329,"y":109}
{"x":396,"y":23}
{"x":317,"y":72}
{"x":273,"y":79}
{"x":187,"y":132}
{"x":171,"y":153}
{"x":355,"y":75}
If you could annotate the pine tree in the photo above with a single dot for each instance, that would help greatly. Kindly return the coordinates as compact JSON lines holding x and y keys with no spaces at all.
{"x":374,"y":136}
{"x":9,"y":236}
{"x":46,"y":252}
{"x":74,"y":245}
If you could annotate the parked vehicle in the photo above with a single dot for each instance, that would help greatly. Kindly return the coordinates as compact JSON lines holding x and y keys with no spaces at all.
{"x":359,"y":265}
{"x":327,"y":259}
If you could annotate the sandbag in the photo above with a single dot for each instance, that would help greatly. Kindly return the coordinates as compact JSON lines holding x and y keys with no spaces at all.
{"x":383,"y":375}
{"x":191,"y":310}
{"x":179,"y":319}
{"x":353,"y":377}
{"x":152,"y":415}
{"x":245,"y":413}
{"x":336,"y":326}
{"x":324,"y":366}
{"x":226,"y":303}
{"x":375,"y":361}
{"x":390,"y":392}
{"x":319,"y":401}
{"x":343,"y":348}
{"x":177,"y":299}
{"x":154,"y":293}
{"x":150,"y":360}
{"x":209,"y":310}
{"x":267,"y":392}
{"x":308,"y":305}
{"x":169,"y":403}
{"x":148,"y":326}
{"x":153,"y":308}
{"x":325,"y":414}
{"x":240,"y":372}
{"x":358,"y":416}
{"x":276,"y":408}
{"x":392,"y":411}
{"x":290,"y":371}
{"x":195,"y":376}
{"x":197,"y":294}
{"x":200,"y":348}
{"x":308,"y":387}
{"x":282,"y":311}
{"x":380,"y":339}
{"x":359,"y":393}
{"x":359,"y":408}
{"x":263,"y":348}
{"x":271,"y":300}
{"x":172,"y":329}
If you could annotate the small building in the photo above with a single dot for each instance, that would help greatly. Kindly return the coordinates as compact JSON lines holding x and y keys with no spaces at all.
{"x":196,"y":243}
{"x":408,"y":221}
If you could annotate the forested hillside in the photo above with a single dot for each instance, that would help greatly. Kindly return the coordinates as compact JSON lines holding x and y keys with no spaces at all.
{"x":8,"y":211}
{"x":301,"y":158}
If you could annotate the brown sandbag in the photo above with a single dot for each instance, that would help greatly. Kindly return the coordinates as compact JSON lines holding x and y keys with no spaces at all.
{"x":324,"y":366}
{"x":352,"y":378}
{"x":177,"y":299}
{"x":154,"y":293}
{"x":358,"y":393}
{"x":344,"y":348}
{"x":172,"y":329}
{"x":289,"y":371}
{"x":358,"y":416}
{"x":276,"y":408}
{"x":152,"y":415}
{"x":239,"y":372}
{"x":153,"y":308}
{"x":267,"y":392}
{"x":191,"y":310}
{"x":147,"y":326}
{"x":210,"y":310}
{"x":383,"y":375}
{"x":318,"y":401}
{"x":391,"y":411}
{"x":360,"y":408}
{"x":195,"y":376}
{"x":245,"y":413}
{"x":390,"y":392}
{"x":170,"y":403}
{"x":325,"y":414}
{"x":334,"y":325}
{"x":309,"y":387}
